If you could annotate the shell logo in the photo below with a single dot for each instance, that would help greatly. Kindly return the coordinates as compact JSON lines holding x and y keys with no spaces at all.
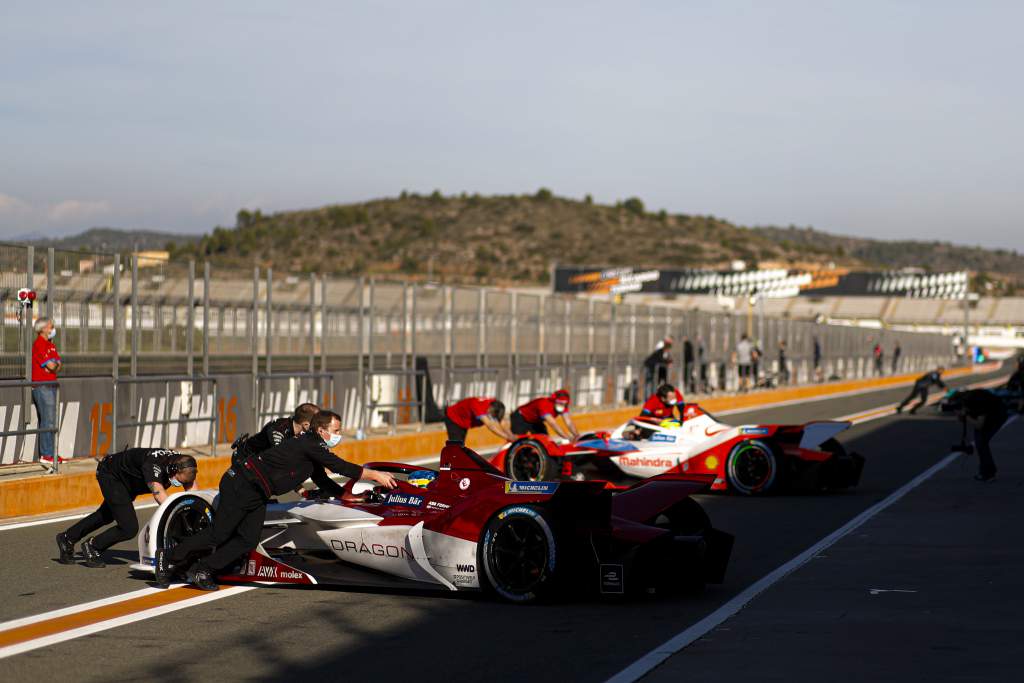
{"x":711,"y":462}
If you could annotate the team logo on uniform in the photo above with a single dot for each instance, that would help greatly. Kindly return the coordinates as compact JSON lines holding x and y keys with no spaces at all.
{"x":464,"y":483}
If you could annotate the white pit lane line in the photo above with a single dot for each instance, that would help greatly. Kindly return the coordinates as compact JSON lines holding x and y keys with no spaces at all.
{"x":681,"y":640}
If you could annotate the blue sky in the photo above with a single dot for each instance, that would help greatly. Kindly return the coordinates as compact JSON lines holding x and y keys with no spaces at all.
{"x":882,"y":119}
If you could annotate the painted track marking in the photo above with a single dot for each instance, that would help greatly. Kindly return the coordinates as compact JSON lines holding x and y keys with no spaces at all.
{"x":658,"y":655}
{"x":44,"y":630}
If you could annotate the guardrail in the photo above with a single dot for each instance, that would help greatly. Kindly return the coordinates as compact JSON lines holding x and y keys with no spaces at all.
{"x":167,"y":420}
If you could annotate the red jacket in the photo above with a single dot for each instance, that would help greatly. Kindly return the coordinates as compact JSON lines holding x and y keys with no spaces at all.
{"x":655,"y":407}
{"x":467,"y":412}
{"x":537,"y":409}
{"x":43,"y":351}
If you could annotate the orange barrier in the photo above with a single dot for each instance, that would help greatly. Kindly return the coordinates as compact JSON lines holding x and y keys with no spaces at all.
{"x":45,"y":494}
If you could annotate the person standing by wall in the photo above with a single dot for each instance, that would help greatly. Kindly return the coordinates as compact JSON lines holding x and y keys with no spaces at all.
{"x":656,"y":365}
{"x":896,"y":353}
{"x":46,"y":364}
{"x":702,"y":363}
{"x":879,"y":355}
{"x":744,"y":356}
{"x":816,"y":358}
{"x":688,"y":369}
{"x":783,"y":363}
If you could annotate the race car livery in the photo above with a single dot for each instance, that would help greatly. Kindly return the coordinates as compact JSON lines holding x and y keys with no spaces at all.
{"x":745,"y":459}
{"x":470,"y":528}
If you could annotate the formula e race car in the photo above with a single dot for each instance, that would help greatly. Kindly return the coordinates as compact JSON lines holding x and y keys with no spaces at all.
{"x":467,"y":527}
{"x":748,"y":459}
{"x":951,"y":402}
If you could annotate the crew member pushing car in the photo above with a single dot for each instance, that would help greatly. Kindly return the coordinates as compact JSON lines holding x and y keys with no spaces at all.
{"x":663,"y":403}
{"x":276,"y":431}
{"x":244,"y":492}
{"x":541,"y":413}
{"x":984,"y":411}
{"x":920,"y":389}
{"x":460,"y":417}
{"x":121,"y":477}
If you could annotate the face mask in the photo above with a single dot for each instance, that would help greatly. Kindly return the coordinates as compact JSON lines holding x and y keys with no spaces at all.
{"x":670,"y":401}
{"x":53,"y":333}
{"x":175,"y":482}
{"x":561,"y":407}
{"x":333,"y":440}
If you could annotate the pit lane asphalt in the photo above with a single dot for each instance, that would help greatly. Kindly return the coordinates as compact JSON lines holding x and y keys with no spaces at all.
{"x":289,"y":634}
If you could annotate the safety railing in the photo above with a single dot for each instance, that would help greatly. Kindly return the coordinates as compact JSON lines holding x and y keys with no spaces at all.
{"x":321,"y":391}
{"x":186,"y":392}
{"x":26,"y":411}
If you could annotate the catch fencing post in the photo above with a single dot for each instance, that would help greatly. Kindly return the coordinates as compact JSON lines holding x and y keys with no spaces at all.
{"x":116,"y":349}
{"x":323,"y":338}
{"x":206,"y":319}
{"x":134,"y":364}
{"x":254,"y":346}
{"x":27,"y":330}
{"x":268,"y":350}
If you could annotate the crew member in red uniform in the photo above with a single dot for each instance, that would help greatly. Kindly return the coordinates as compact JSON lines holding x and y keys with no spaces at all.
{"x":46,"y":363}
{"x":663,"y":403}
{"x":460,"y":417}
{"x":541,"y":413}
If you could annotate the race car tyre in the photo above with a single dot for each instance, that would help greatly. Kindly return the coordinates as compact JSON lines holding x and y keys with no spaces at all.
{"x":528,"y":460}
{"x":686,"y":518}
{"x":187,"y":516}
{"x":518,"y":554}
{"x":753,"y":468}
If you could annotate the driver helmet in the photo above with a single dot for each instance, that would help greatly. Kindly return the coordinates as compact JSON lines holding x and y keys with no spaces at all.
{"x":669,"y":424}
{"x":422,"y":478}
{"x":562,"y":400}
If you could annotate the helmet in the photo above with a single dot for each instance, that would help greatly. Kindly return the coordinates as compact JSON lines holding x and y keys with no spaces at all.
{"x":670,"y":424}
{"x":562,"y":400}
{"x":422,"y":478}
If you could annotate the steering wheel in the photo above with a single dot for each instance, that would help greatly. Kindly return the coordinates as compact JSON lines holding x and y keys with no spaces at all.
{"x":373,"y":496}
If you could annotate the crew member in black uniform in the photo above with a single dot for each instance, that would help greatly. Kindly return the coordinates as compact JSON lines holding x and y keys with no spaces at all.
{"x":920,"y":389}
{"x":244,"y":492}
{"x":121,"y":477}
{"x":276,"y":431}
{"x":986,"y":412}
{"x":1016,"y":381}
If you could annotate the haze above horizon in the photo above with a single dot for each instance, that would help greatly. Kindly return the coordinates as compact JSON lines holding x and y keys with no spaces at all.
{"x":873,"y":119}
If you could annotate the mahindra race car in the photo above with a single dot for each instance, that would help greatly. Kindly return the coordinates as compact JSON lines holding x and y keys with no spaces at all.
{"x":473,"y":529}
{"x":748,"y":459}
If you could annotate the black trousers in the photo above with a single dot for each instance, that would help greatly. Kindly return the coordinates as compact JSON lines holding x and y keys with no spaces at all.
{"x":982,"y":438}
{"x":236,"y":528}
{"x":455,"y":432}
{"x":922,"y":395}
{"x":521,"y":426}
{"x":117,"y":507}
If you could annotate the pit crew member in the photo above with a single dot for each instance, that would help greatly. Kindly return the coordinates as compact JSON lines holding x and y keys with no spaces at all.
{"x":121,"y":477}
{"x":276,"y":431}
{"x":542,"y":413}
{"x":460,"y":417}
{"x":986,"y":413}
{"x":244,"y":492}
{"x":664,"y":403}
{"x":920,"y":389}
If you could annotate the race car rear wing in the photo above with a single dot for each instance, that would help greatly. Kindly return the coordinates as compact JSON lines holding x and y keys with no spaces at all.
{"x":646,"y":499}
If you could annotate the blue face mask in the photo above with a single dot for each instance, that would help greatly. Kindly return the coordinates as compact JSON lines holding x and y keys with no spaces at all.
{"x":333,"y":440}
{"x":175,"y":482}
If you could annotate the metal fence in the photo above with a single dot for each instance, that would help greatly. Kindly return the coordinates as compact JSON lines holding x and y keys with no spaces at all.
{"x":356,"y":341}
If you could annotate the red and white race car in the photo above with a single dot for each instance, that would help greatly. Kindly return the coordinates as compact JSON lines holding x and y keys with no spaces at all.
{"x":746,"y":459}
{"x":467,"y":527}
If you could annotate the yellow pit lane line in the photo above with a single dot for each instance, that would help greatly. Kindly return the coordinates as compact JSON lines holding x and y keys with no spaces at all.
{"x":49,"y":628}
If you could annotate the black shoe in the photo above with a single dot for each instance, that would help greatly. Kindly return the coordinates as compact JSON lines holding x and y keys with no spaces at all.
{"x":91,"y":555}
{"x":899,"y":409}
{"x":201,"y":577}
{"x":163,"y":570}
{"x":66,"y":549}
{"x":984,"y":478}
